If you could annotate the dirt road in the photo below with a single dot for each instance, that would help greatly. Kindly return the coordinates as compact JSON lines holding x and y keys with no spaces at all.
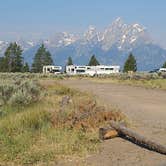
{"x":147,"y":110}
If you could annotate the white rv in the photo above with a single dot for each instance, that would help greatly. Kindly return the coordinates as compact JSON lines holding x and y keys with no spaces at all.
{"x":52,"y":69}
{"x":73,"y":69}
{"x":162,"y":70}
{"x":91,"y":70}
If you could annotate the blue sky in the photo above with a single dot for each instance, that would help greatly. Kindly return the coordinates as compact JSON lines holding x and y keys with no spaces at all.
{"x":41,"y":18}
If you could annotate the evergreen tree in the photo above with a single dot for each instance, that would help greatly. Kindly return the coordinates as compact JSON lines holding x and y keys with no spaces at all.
{"x":130,"y":64}
{"x":42,"y":58}
{"x":12,"y":60}
{"x":25,"y":68}
{"x":93,"y":61}
{"x":69,"y":61}
{"x":2,"y":64}
{"x":164,"y":65}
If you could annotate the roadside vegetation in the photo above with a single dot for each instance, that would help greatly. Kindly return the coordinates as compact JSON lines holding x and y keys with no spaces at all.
{"x":147,"y":80}
{"x":44,"y":122}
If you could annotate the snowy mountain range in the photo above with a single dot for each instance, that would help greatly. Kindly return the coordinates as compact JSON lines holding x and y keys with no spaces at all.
{"x":111,"y":46}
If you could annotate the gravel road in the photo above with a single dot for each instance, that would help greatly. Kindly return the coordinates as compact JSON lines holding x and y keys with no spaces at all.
{"x":146,"y":108}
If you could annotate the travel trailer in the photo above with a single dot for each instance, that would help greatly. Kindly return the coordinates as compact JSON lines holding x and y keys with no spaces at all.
{"x":52,"y":69}
{"x":91,"y":70}
{"x":162,"y":70}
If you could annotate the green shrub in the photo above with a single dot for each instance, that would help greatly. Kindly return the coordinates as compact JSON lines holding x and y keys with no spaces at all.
{"x":6,"y":92}
{"x":20,"y":98}
{"x":20,"y":92}
{"x":26,"y":93}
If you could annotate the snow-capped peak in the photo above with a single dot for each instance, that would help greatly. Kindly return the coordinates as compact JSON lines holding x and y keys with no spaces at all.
{"x":138,"y":27}
{"x":90,"y":33}
{"x":31,"y":43}
{"x":118,"y":20}
{"x":1,"y":42}
{"x":91,"y":28}
{"x":60,"y":39}
{"x":124,"y":36}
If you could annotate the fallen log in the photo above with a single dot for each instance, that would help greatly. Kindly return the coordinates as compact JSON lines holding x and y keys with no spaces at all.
{"x":107,"y":133}
{"x":132,"y":136}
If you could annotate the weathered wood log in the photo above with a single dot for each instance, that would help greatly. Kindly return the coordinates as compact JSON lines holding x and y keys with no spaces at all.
{"x":138,"y":139}
{"x":107,"y":133}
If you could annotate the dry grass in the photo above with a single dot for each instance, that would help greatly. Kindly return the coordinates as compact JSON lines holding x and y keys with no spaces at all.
{"x":62,"y":125}
{"x":82,"y":111}
{"x":140,"y":79}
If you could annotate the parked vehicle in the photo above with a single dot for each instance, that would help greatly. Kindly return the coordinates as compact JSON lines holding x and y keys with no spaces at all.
{"x":52,"y":69}
{"x":162,"y":70}
{"x":154,"y":71}
{"x":91,"y":70}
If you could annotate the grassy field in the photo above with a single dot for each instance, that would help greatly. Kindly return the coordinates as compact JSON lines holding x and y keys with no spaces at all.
{"x":43,"y":122}
{"x":146,"y":80}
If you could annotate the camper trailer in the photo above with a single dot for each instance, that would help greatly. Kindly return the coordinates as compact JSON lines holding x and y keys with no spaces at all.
{"x":163,"y":70}
{"x":52,"y":69}
{"x":91,"y":70}
{"x":73,"y":69}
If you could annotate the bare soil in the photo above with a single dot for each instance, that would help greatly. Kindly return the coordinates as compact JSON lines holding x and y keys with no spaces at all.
{"x":146,"y":108}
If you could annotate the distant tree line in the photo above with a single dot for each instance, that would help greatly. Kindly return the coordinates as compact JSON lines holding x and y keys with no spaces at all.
{"x":12,"y":61}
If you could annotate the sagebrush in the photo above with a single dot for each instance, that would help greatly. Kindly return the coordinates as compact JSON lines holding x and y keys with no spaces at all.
{"x":43,"y":121}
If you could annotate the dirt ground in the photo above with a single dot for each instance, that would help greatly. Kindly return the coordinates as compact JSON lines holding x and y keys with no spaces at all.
{"x":146,"y":108}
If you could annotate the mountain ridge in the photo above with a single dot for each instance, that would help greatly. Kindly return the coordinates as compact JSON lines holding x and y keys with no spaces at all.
{"x":111,"y":46}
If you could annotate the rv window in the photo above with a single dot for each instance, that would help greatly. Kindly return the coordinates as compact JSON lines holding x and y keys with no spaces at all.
{"x":109,"y":68}
{"x":80,"y":71}
{"x":72,"y":70}
{"x":81,"y":67}
{"x":55,"y":70}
